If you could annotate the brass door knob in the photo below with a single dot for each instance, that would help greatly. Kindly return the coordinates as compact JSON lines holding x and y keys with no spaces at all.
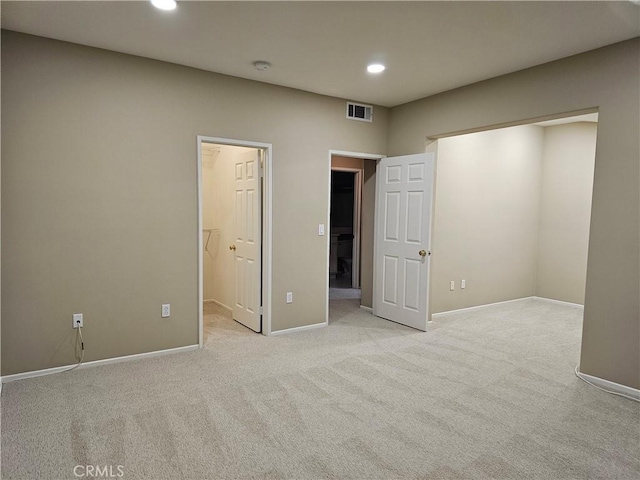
{"x":422,"y":253}
{"x":232,"y":247}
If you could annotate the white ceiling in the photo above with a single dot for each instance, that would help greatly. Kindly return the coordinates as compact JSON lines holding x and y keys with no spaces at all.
{"x":324,"y":47}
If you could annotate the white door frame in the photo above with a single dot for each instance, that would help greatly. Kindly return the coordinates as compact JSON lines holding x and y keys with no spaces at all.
{"x":431,"y":147}
{"x":267,"y":233}
{"x":339,"y":153}
{"x":357,"y":207}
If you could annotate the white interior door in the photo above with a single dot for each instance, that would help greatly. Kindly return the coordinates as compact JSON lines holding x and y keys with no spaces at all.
{"x":247,"y":243}
{"x":404,"y":197}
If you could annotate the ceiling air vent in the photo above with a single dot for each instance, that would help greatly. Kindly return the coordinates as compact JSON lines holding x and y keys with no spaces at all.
{"x":357,"y":111}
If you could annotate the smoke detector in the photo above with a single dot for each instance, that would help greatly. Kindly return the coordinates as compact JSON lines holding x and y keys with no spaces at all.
{"x":261,"y":65}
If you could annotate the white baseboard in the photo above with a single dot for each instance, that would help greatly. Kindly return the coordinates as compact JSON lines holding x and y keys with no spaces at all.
{"x":97,"y":363}
{"x":368,"y":309}
{"x":559,"y":302}
{"x":478,"y":307}
{"x":610,"y":386}
{"x":220,"y":304}
{"x":299,"y":329}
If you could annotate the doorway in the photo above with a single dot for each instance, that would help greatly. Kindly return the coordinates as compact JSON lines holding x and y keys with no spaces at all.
{"x":344,"y":229}
{"x":413,"y":175}
{"x":350,"y":233}
{"x":234,"y":235}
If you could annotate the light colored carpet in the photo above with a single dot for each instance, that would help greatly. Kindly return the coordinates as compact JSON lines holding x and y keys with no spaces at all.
{"x":489,"y":394}
{"x":344,"y":293}
{"x":217,"y":324}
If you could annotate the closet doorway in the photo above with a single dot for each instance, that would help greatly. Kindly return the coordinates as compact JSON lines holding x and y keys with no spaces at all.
{"x":234,"y":225}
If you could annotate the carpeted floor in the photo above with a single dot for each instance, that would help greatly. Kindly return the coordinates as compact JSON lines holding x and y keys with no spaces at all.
{"x":488,"y":394}
{"x":344,"y":293}
{"x":218,"y":324}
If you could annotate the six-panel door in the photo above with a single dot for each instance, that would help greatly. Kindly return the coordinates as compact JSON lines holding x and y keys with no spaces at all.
{"x":404,"y":188}
{"x":247,"y":238}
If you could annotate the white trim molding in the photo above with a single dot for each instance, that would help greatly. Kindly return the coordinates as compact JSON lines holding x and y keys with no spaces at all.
{"x":610,"y":387}
{"x":299,"y":329}
{"x":560,"y":302}
{"x":368,"y":309}
{"x":97,"y":363}
{"x":478,"y":307}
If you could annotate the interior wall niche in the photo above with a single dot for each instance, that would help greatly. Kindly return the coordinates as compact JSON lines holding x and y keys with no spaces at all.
{"x":512,"y":215}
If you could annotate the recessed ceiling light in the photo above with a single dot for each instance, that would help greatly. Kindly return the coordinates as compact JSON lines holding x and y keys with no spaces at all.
{"x":375,"y":68}
{"x":164,"y":4}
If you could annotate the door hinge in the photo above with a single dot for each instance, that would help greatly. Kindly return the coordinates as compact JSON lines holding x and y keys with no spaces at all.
{"x":260,"y":311}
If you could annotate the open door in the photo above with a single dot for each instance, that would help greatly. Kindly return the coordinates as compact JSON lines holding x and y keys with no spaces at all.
{"x":248,"y":221}
{"x":404,"y":198}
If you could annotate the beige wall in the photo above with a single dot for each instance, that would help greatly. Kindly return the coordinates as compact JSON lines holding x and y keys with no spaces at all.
{"x":606,"y":79}
{"x":565,"y":210}
{"x":99,"y":205}
{"x":368,"y":216}
{"x":485,"y":227}
{"x":218,"y":207}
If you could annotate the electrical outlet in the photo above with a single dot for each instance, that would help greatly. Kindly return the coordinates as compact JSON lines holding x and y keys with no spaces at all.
{"x":289,"y":297}
{"x":463,"y":283}
{"x":166,"y":310}
{"x":78,"y":320}
{"x":452,"y":285}
{"x":321,"y":229}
